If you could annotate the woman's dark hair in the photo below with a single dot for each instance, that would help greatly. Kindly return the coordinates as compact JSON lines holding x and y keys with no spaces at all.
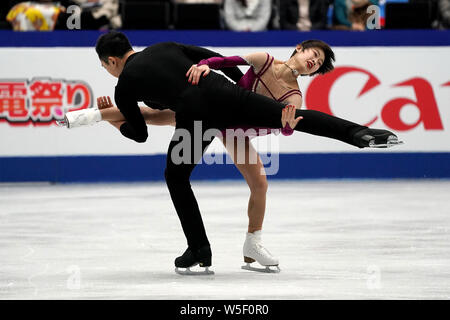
{"x":112,"y":44}
{"x":327,"y":65}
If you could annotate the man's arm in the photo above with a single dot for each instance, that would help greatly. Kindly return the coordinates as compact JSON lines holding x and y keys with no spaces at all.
{"x":198,"y":53}
{"x":134,"y":128}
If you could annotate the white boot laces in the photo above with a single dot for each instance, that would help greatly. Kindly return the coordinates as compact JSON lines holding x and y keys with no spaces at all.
{"x":261,"y":251}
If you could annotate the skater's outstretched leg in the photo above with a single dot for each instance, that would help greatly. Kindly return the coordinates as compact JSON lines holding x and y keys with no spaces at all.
{"x":232,"y":106}
{"x":322,"y":124}
{"x":262,"y":111}
{"x":106,"y":111}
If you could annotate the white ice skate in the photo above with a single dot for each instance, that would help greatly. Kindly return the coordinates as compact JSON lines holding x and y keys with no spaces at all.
{"x":254,"y":251}
{"x":79,"y":118}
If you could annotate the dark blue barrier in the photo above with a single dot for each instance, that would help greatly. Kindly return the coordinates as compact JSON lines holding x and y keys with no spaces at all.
{"x":364,"y":165}
{"x":232,"y":39}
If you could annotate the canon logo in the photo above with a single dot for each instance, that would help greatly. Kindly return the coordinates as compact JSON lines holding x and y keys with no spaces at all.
{"x":318,"y":98}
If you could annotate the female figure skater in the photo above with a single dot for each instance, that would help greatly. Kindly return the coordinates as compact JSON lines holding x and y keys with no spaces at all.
{"x":275,"y":79}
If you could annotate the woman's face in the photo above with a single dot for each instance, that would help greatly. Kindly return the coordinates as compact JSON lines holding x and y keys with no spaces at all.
{"x":309,"y":60}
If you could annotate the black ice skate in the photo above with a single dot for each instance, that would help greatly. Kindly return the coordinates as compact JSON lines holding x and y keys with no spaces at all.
{"x":376,"y":138}
{"x":191,"y":258}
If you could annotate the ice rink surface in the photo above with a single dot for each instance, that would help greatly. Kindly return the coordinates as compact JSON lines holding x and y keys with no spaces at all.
{"x":340,"y":239}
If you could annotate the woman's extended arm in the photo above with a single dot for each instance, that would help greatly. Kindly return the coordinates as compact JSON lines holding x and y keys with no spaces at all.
{"x":223,"y":62}
{"x":217,"y":63}
{"x":255,"y":60}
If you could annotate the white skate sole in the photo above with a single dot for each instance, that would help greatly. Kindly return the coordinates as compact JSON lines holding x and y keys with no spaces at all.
{"x":266,"y":269}
{"x":189,"y":272}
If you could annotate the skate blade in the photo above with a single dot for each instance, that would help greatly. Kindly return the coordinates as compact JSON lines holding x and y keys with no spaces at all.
{"x":389,"y":144}
{"x":189,"y":272}
{"x":62,"y":123}
{"x":267,"y":269}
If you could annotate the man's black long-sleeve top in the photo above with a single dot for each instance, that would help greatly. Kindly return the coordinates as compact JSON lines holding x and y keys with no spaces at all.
{"x":156,"y":76}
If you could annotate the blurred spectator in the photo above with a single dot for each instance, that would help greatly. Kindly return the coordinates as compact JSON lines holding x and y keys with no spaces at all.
{"x":47,"y":15}
{"x":359,"y":13}
{"x":107,"y":12}
{"x":34,"y":16}
{"x":303,"y":23}
{"x":284,"y":15}
{"x":198,"y":1}
{"x":289,"y":12}
{"x":197,"y":14}
{"x":351,"y":14}
{"x":247,"y":15}
{"x":95,"y":14}
{"x":444,"y":14}
{"x":318,"y":13}
{"x":4,"y":8}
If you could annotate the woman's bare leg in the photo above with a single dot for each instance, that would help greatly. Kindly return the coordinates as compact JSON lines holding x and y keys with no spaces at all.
{"x":112,"y":114}
{"x":151,"y":116}
{"x":158,"y":117}
{"x":253,"y":174}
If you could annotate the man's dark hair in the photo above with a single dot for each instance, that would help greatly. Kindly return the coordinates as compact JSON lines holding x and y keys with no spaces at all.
{"x":112,"y":44}
{"x":327,"y":65}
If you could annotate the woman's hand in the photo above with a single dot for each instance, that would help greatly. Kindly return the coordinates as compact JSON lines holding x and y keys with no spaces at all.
{"x":104,"y":102}
{"x":195,"y":72}
{"x":112,"y":115}
{"x":288,"y":117}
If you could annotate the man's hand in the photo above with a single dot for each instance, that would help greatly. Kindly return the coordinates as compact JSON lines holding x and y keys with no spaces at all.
{"x":288,"y":117}
{"x":195,"y":72}
{"x":104,"y":102}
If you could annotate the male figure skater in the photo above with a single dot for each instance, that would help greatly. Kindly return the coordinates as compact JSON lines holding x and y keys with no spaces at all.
{"x":157,"y":76}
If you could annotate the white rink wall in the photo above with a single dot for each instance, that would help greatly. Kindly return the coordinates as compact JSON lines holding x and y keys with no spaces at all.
{"x":422,"y":71}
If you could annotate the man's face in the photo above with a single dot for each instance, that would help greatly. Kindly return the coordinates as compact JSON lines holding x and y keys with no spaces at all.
{"x":112,"y":66}
{"x":309,"y":60}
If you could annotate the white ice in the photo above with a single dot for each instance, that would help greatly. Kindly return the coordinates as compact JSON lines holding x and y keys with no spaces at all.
{"x":335,"y":240}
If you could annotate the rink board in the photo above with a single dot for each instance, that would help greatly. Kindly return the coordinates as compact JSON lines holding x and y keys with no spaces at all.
{"x":291,"y":166}
{"x":394,"y":80}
